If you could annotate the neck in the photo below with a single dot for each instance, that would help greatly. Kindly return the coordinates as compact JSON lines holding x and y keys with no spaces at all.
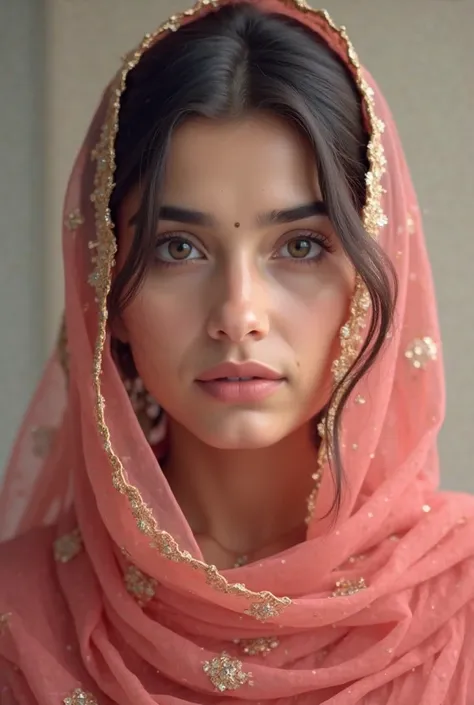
{"x":243,"y":500}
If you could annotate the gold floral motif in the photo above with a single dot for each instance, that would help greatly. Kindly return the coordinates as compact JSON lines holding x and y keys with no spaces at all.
{"x":346,"y":587}
{"x":139,"y":585}
{"x":101,"y":275}
{"x":421,"y":351}
{"x":269,"y":608}
{"x":42,"y":439}
{"x":80,"y":697}
{"x":74,"y":220}
{"x":226,"y":673}
{"x":68,"y":546}
{"x":258,"y":647}
{"x":410,"y":225}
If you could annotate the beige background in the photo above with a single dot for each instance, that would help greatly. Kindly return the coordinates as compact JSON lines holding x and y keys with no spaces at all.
{"x":420,"y":51}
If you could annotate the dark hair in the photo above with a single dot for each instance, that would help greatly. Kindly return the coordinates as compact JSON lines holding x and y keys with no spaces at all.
{"x":229,"y":62}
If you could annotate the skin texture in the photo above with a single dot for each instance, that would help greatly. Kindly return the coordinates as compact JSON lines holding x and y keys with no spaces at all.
{"x":263,"y":291}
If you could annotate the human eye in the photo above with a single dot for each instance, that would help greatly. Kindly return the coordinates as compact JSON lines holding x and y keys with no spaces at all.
{"x":174,"y":248}
{"x":304,"y":246}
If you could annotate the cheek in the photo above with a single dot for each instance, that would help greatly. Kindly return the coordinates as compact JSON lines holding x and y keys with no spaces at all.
{"x":315,"y":311}
{"x":160,"y":323}
{"x":316,"y":330}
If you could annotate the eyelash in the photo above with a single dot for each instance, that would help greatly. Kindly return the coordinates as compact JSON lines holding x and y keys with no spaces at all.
{"x":319,"y":239}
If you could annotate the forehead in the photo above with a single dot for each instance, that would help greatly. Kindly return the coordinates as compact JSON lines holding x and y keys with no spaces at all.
{"x":252,"y":163}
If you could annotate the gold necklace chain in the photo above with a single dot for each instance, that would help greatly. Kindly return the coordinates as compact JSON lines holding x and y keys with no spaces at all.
{"x":244,"y":558}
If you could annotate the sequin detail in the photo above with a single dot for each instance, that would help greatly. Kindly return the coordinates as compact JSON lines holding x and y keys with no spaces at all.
{"x":226,"y":673}
{"x":267,"y":609}
{"x":421,"y":351}
{"x":345,"y":587}
{"x":67,"y":547}
{"x":358,"y":557}
{"x":74,"y":220}
{"x":80,"y":697}
{"x":104,"y":251}
{"x":139,"y":585}
{"x":258,"y":647}
{"x":351,"y":561}
{"x":42,"y":439}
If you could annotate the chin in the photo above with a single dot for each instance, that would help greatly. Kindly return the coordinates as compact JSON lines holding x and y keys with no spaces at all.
{"x":244,"y":434}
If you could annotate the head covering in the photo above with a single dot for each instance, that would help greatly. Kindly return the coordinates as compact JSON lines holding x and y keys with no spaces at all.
{"x":109,"y":598}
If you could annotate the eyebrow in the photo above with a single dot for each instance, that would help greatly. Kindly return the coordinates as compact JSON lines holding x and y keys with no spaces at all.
{"x":178,"y":214}
{"x":289,"y":215}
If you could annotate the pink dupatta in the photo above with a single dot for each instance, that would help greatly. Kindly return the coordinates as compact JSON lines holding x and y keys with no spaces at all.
{"x":104,"y":595}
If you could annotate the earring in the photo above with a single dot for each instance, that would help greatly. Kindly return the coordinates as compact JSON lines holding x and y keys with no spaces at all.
{"x":149,"y":413}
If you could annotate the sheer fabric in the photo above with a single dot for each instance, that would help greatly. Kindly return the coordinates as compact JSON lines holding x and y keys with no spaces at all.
{"x":103,"y":586}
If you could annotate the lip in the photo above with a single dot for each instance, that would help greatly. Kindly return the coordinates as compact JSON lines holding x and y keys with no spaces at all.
{"x":241,"y":392}
{"x":240,"y":369}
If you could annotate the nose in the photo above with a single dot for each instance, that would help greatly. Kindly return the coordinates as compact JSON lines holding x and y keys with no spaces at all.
{"x":240,"y":309}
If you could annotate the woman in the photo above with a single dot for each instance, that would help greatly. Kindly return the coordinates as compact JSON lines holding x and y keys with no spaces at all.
{"x":235,"y":492}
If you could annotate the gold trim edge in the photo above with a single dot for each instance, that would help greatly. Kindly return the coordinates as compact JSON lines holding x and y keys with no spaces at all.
{"x":265,"y":605}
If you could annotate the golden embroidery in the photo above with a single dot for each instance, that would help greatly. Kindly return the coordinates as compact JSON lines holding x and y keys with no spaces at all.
{"x":373,"y":219}
{"x":360,"y":400}
{"x":421,"y":351}
{"x":42,"y":439}
{"x":74,"y":220}
{"x":225,"y":673}
{"x":426,"y":508}
{"x":410,"y":225}
{"x":68,"y":546}
{"x":317,"y":477}
{"x":4,"y":622}
{"x":258,"y":647}
{"x":263,"y":605}
{"x":346,"y":587}
{"x":80,"y":697}
{"x":139,"y":585}
{"x":269,"y":608}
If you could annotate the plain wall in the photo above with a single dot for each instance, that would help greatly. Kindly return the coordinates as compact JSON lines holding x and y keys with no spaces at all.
{"x":421,"y":53}
{"x":22,"y":310}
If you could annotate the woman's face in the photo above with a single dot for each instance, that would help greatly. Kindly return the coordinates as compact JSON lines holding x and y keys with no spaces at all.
{"x":247,"y":268}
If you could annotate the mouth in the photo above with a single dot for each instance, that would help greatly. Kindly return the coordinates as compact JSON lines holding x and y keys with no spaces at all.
{"x":240,"y":372}
{"x":236,"y":379}
{"x":241,"y":383}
